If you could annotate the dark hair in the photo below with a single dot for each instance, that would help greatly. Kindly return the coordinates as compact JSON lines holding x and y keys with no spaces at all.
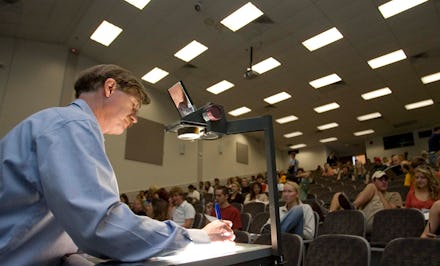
{"x":124,"y":198}
{"x":252,"y":193}
{"x":224,"y":190}
{"x":94,"y":77}
{"x":160,"y":209}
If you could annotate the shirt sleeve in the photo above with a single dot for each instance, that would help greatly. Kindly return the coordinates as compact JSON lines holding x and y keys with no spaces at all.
{"x":309,"y":222}
{"x":81,"y":191}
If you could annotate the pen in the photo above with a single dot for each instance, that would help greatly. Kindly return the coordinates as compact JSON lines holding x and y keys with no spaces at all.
{"x":218,"y":214}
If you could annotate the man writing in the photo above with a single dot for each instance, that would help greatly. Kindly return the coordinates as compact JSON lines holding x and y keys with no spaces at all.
{"x":58,"y":191}
{"x":227,"y":211}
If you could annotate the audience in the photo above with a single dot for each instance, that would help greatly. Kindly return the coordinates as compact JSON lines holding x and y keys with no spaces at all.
{"x":295,"y":217}
{"x":328,"y":170}
{"x":260,"y":180}
{"x":138,"y":206}
{"x":124,"y":198}
{"x":208,"y":188}
{"x":373,"y":198}
{"x":181,"y":211}
{"x":228,"y":212}
{"x":245,"y":188}
{"x":425,"y":190}
{"x":256,"y":194}
{"x":193,"y":194}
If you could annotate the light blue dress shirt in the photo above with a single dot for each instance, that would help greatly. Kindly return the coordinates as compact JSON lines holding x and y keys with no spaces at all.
{"x":59,"y":192}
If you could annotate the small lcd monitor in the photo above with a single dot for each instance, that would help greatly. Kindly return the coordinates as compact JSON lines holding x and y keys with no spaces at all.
{"x":181,"y":99}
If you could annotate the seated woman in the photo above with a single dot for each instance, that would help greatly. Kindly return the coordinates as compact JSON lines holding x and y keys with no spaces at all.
{"x":432,"y":229}
{"x":256,"y":194}
{"x":235,"y":195}
{"x":295,"y":217}
{"x":157,"y":209}
{"x":426,"y":188}
{"x":138,"y":207}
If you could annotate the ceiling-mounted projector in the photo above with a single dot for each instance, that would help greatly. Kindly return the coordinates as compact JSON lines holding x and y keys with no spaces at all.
{"x":250,"y":74}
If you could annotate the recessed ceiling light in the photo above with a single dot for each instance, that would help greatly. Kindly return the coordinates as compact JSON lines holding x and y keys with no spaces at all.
{"x":326,"y":108}
{"x":369,"y":116}
{"x":328,"y":140}
{"x":106,"y":33}
{"x":431,"y":78}
{"x":266,"y":65}
{"x":387,"y":59}
{"x":286,"y":119}
{"x":239,"y":111}
{"x":363,"y":132}
{"x":220,"y":87}
{"x":138,"y":3}
{"x":324,"y":81}
{"x":241,"y":17}
{"x":419,"y":104}
{"x":155,"y":75}
{"x":376,"y":93}
{"x":297,"y":146}
{"x":277,"y":98}
{"x":394,"y":7}
{"x":190,"y":51}
{"x":328,"y":126}
{"x":323,"y":39}
{"x":293,"y":134}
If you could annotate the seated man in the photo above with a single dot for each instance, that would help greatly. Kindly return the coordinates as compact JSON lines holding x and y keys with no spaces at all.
{"x":227,"y":211}
{"x":432,"y":229}
{"x":181,"y":211}
{"x":373,"y":198}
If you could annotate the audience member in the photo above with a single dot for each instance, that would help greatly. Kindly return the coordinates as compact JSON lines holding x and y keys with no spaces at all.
{"x":138,"y":207}
{"x":432,"y":229}
{"x":344,"y":174}
{"x":245,"y":188}
{"x":373,"y":198}
{"x":256,"y":194}
{"x":408,"y":167}
{"x":181,"y":211}
{"x":216,"y":182}
{"x":227,"y":211}
{"x":162,"y":193}
{"x":208,"y":188}
{"x":359,"y":172}
{"x":235,"y":195}
{"x":209,"y":207}
{"x":157,"y":209}
{"x":426,"y":189}
{"x":293,"y":167}
{"x":332,"y":159}
{"x":295,"y":217}
{"x":328,"y":170}
{"x":260,"y":180}
{"x":124,"y":198}
{"x":193,"y":194}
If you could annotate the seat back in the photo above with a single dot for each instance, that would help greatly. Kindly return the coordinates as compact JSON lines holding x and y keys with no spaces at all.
{"x":246,"y":219}
{"x":241,"y":236}
{"x":413,"y":251}
{"x":238,"y":206}
{"x":254,"y":207}
{"x":347,"y":222}
{"x":258,"y":222}
{"x":292,"y":246}
{"x":389,"y":224}
{"x":338,"y":250}
{"x":198,"y":221}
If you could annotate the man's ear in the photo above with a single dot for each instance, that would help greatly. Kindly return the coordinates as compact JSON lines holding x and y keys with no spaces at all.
{"x":109,"y":87}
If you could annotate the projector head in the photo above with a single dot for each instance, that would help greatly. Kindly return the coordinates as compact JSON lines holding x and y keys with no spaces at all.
{"x":250,"y":74}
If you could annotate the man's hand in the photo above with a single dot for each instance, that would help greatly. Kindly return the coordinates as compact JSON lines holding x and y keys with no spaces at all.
{"x":219,"y":230}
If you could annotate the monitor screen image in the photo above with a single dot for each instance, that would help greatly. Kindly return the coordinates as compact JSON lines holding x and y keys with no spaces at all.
{"x":181,"y":99}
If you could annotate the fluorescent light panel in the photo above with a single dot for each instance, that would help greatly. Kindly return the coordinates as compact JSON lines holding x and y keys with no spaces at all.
{"x":277,"y":98}
{"x":106,"y":33}
{"x":286,"y":119}
{"x":138,"y":3}
{"x":376,"y":93}
{"x":431,"y":78}
{"x":394,"y":7}
{"x":266,"y":65}
{"x":328,"y":140}
{"x":419,"y":104}
{"x":322,"y":39}
{"x":241,"y":17}
{"x":363,"y":132}
{"x":326,"y":108}
{"x":293,"y":134}
{"x":155,"y":75}
{"x":297,"y":146}
{"x":328,"y":126}
{"x":190,"y":51}
{"x":387,"y":59}
{"x":369,"y":116}
{"x":220,"y":87}
{"x":324,"y":81}
{"x":239,"y":111}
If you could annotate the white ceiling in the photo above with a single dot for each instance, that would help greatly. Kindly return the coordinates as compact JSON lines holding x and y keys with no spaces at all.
{"x":150,"y":38}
